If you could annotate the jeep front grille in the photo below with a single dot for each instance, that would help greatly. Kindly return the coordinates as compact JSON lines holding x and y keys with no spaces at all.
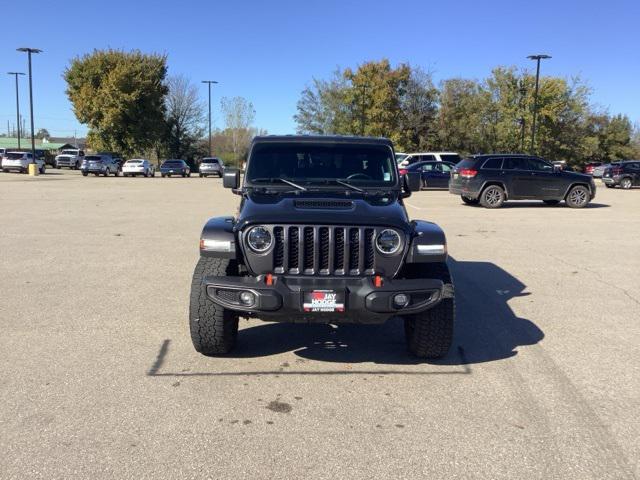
{"x":324,"y":250}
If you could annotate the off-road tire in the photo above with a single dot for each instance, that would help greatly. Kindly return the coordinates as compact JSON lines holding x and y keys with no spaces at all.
{"x":213,"y":329}
{"x":551,"y":202}
{"x":469,"y":201}
{"x":492,"y":197}
{"x":626,"y":183}
{"x":578,"y":197}
{"x":429,"y":334}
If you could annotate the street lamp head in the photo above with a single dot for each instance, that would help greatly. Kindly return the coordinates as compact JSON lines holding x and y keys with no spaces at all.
{"x":538,"y":57}
{"x":15,"y":73}
{"x":30,"y":50}
{"x":209,"y":81}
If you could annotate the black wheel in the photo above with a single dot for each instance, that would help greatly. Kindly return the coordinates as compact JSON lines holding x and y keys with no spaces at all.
{"x":429,"y":334}
{"x":626,"y":183}
{"x":162,"y":175}
{"x":201,"y":175}
{"x":551,"y":202}
{"x":213,"y":329}
{"x":609,"y":185}
{"x":57,"y":167}
{"x":96,"y":174}
{"x":492,"y":197}
{"x":84,"y":174}
{"x":146,"y":174}
{"x":42,"y":170}
{"x":578,"y":197}
{"x":469,"y":201}
{"x":106,"y":172}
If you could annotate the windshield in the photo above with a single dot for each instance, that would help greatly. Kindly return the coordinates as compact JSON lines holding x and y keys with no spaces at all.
{"x":400,"y":157}
{"x":362,"y":165}
{"x":69,"y":152}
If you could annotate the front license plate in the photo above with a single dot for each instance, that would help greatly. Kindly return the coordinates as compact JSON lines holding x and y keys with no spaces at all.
{"x":322,"y":301}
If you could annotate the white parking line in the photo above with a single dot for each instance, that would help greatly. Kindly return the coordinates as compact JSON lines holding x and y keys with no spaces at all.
{"x":413,"y":206}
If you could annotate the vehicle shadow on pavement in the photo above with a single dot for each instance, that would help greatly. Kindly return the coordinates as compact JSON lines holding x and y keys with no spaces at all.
{"x":538,"y":204}
{"x":486,"y":328}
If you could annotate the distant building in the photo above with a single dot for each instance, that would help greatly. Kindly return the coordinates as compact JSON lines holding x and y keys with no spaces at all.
{"x":25,"y":144}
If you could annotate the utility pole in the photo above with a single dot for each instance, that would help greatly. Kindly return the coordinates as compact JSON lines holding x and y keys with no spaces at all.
{"x":16,"y":74}
{"x":209,"y":82}
{"x":30,"y":51}
{"x":537,"y":58}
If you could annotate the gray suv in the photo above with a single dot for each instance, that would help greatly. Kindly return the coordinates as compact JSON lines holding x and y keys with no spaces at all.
{"x":211,"y":166}
{"x":100,"y":165}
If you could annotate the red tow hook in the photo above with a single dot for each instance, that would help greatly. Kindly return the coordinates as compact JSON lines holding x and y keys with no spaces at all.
{"x":377,"y":281}
{"x":268,"y":279}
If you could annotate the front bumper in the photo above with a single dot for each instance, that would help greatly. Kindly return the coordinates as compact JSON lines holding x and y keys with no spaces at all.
{"x":364,"y":302}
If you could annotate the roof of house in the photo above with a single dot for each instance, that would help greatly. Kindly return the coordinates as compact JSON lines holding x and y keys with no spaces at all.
{"x":25,"y":143}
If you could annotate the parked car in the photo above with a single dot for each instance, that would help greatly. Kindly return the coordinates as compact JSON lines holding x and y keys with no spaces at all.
{"x":138,"y":166}
{"x":71,"y":158}
{"x":493,"y":179}
{"x":407,"y":159}
{"x":331,"y":242}
{"x":432,"y":174}
{"x":19,"y":161}
{"x":598,"y":171}
{"x":211,"y":166}
{"x":175,"y":167}
{"x":100,"y":165}
{"x":589,"y":167}
{"x":624,"y":174}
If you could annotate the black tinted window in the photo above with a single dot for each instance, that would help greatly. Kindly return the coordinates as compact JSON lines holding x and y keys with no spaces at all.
{"x":538,"y":165}
{"x":427,"y":158}
{"x":364,"y":164}
{"x":466,"y":163}
{"x":450,"y":157}
{"x":495,"y":163}
{"x":514,"y":163}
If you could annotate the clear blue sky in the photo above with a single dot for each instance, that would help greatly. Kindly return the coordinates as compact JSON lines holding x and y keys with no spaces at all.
{"x":267,"y":51}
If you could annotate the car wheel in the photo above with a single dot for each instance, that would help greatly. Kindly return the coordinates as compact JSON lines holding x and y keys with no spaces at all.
{"x":492,"y":197}
{"x":578,"y":197}
{"x":162,"y":175}
{"x":469,"y":201}
{"x":42,"y":170}
{"x":429,"y":334}
{"x":84,"y":174}
{"x":153,"y":174}
{"x":117,"y":174}
{"x":626,"y":183}
{"x":609,"y":186}
{"x":214,"y":329}
{"x":201,"y":175}
{"x":551,"y":202}
{"x":106,"y":172}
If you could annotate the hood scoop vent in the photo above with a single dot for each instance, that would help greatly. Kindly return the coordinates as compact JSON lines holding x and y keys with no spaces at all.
{"x":323,"y":204}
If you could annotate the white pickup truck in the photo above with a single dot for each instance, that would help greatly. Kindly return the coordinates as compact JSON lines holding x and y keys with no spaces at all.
{"x":71,"y":158}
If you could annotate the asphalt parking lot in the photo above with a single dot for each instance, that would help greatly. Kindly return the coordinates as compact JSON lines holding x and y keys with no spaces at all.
{"x":100,"y":380}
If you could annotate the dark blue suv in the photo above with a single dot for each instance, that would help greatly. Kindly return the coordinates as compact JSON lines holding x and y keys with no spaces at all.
{"x":490,"y":180}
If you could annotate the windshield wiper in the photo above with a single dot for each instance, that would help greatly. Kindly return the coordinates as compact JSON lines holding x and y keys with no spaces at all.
{"x":327,"y":181}
{"x":278,"y":179}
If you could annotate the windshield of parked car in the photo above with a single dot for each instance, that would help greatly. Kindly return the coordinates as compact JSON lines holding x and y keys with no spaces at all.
{"x":303,"y":163}
{"x":69,"y":152}
{"x":15,"y":155}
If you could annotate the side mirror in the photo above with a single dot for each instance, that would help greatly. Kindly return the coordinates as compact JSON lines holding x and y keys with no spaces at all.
{"x":231,"y":178}
{"x":412,"y":181}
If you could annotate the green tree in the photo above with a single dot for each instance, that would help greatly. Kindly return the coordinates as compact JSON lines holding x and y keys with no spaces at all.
{"x":121,"y":97}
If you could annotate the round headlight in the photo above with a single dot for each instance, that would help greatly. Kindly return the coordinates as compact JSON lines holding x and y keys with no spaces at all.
{"x":388,"y":242}
{"x":259,"y":239}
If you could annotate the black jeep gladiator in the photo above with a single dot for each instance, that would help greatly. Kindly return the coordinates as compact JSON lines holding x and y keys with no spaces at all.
{"x":322,"y":235}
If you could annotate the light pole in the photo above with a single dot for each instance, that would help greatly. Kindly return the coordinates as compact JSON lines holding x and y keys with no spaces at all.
{"x":521,"y":121}
{"x":537,"y":58}
{"x":209,"y":82}
{"x":29,"y":51}
{"x":15,"y":74}
{"x":363,"y":113}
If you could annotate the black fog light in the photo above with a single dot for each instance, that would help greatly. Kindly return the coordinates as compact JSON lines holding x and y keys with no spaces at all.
{"x":247,"y":298}
{"x":401,"y":300}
